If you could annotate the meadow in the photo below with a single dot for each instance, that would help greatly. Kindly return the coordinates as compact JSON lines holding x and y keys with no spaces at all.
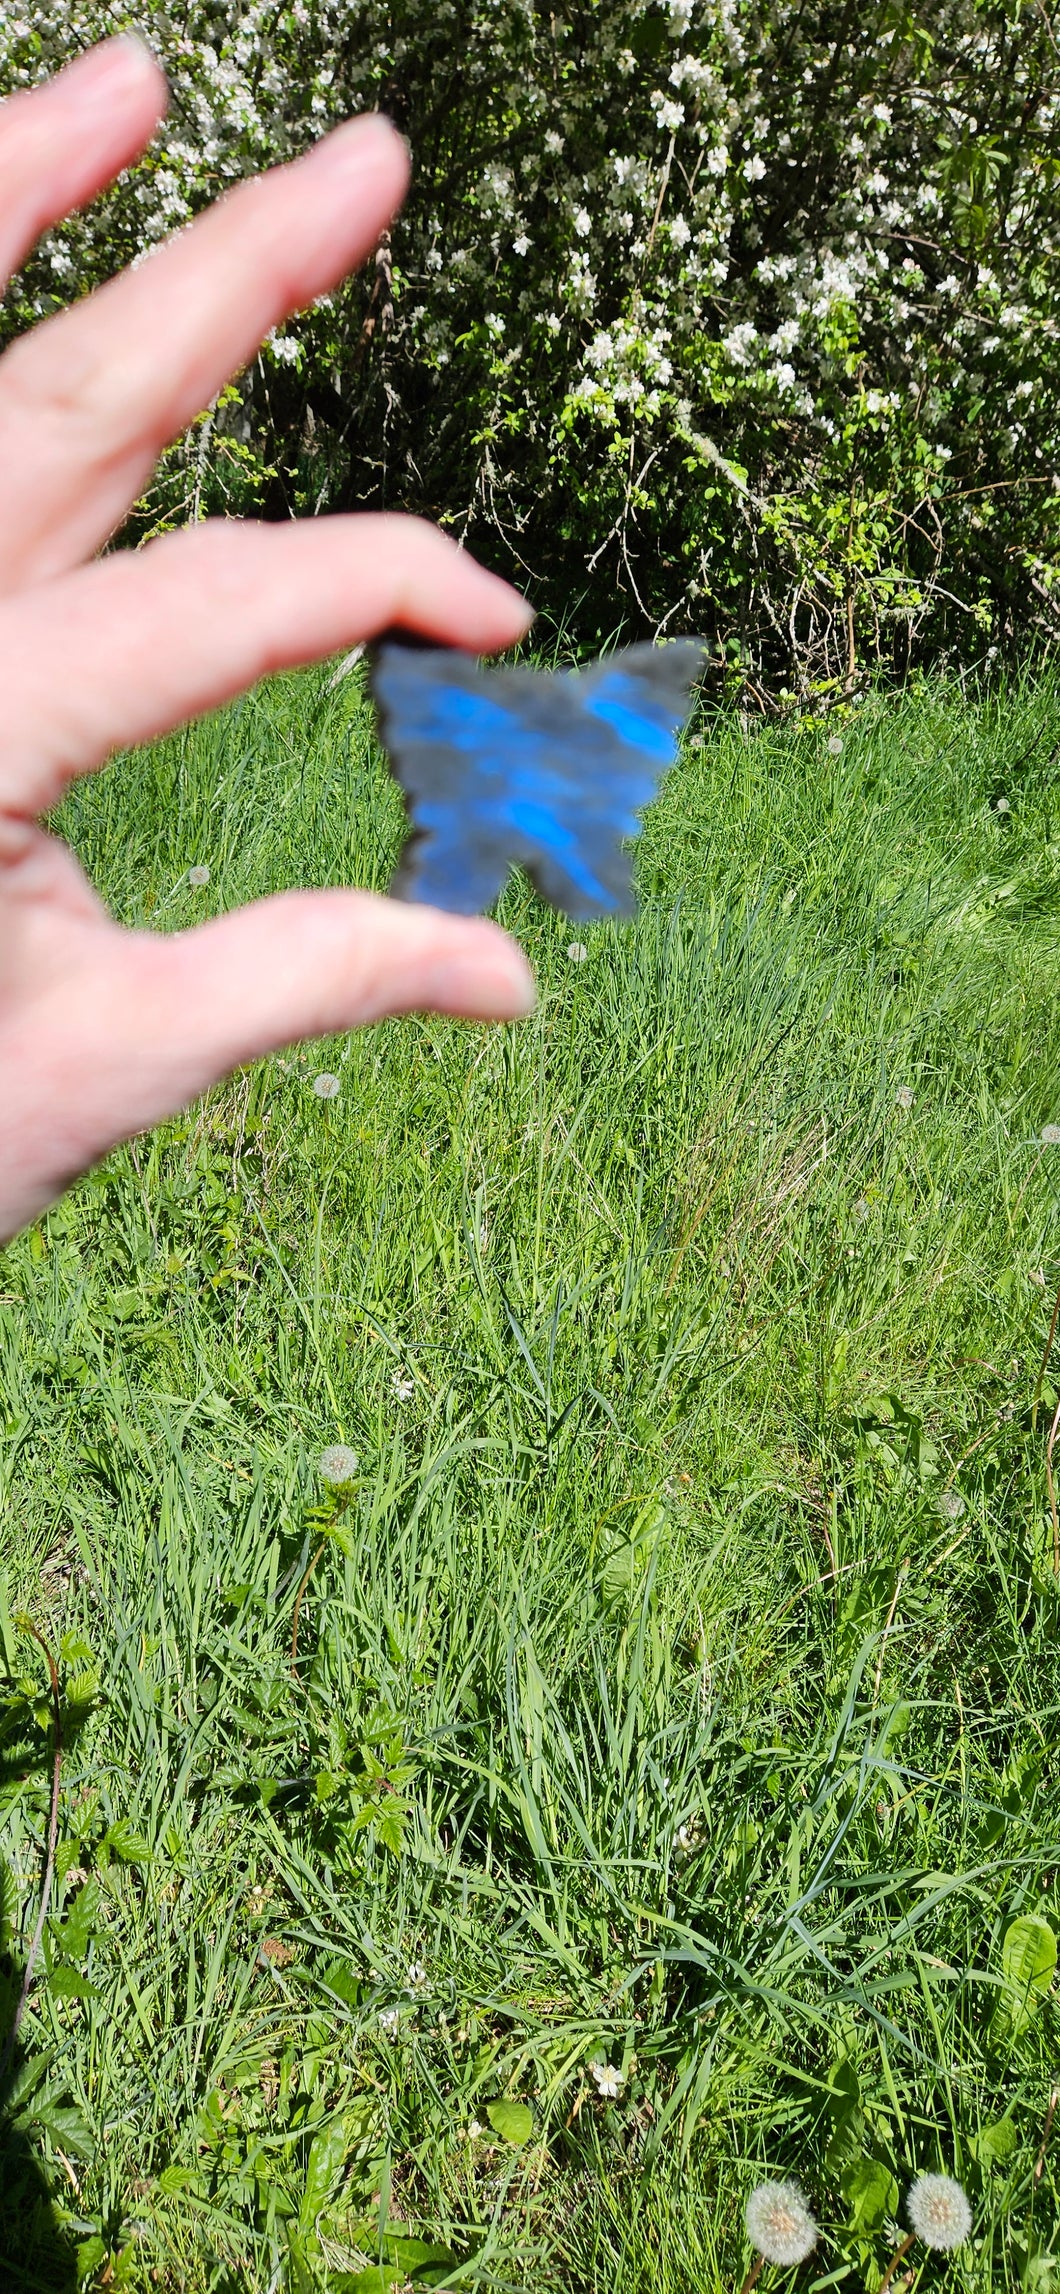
{"x":637,"y":1778}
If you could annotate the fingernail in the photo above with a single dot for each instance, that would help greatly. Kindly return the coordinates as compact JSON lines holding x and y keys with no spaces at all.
{"x":460,"y":980}
{"x":100,"y":73}
{"x":357,"y":143}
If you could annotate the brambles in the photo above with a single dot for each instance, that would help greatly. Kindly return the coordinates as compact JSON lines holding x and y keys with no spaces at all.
{"x":763,"y":345}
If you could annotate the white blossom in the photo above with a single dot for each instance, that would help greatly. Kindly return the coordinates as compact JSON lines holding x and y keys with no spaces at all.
{"x":609,"y":2081}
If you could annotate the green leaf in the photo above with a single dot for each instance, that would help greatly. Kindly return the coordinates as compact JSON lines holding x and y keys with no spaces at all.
{"x":125,"y":1842}
{"x":377,"y":2280}
{"x":65,"y":1983}
{"x":78,"y":1928}
{"x":871,"y":2193}
{"x":414,"y":2254}
{"x":617,"y":1576}
{"x":90,"y":2254}
{"x":1028,"y":1964}
{"x":513,"y":2122}
{"x":995,"y":2143}
{"x":327,"y":2157}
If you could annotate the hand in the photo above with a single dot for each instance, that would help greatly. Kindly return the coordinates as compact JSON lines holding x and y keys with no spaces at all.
{"x":104,"y":1031}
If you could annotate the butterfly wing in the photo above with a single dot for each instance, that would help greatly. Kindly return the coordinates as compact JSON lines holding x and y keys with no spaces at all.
{"x":547,"y":770}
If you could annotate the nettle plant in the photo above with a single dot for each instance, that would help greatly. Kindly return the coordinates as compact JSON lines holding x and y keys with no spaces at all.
{"x":736,"y":315}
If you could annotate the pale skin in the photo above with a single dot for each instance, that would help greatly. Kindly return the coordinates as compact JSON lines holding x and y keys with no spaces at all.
{"x":105,"y":1031}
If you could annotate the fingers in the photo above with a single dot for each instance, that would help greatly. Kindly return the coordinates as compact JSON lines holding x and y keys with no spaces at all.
{"x":61,"y":142}
{"x":89,"y":399}
{"x":142,"y":1028}
{"x":147,"y":639}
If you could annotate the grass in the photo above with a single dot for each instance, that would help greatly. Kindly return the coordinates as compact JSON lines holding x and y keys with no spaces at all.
{"x":677,"y":1686}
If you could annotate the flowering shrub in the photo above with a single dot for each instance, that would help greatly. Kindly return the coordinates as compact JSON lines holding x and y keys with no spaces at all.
{"x":737,"y":315}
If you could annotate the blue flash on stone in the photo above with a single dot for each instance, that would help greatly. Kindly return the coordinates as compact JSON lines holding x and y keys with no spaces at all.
{"x":546,"y":770}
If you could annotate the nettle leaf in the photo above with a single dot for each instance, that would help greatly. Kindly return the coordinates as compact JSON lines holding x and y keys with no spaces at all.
{"x":513,"y":2122}
{"x":78,"y":1928}
{"x":871,"y":2193}
{"x":65,"y":1983}
{"x":1028,"y":1964}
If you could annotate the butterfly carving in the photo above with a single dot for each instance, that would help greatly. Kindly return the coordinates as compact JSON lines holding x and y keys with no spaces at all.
{"x":544,"y":769}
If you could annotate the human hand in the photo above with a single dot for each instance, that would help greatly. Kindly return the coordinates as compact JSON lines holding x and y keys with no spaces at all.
{"x":104,"y":1031}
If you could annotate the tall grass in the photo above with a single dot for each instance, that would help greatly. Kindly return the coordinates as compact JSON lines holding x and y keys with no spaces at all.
{"x":678,"y":1687}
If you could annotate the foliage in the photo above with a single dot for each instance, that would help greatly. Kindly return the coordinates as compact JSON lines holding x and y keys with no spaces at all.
{"x":694,"y":1602}
{"x":731,"y":314}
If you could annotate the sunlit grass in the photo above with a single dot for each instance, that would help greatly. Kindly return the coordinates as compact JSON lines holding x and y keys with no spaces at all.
{"x":676,"y":1686}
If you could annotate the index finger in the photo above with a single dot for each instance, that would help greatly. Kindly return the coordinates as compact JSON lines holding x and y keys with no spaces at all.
{"x":89,"y":399}
{"x":62,"y":141}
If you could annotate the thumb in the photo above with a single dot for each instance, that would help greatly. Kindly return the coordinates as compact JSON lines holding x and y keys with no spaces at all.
{"x":315,"y":963}
{"x":141,"y":1025}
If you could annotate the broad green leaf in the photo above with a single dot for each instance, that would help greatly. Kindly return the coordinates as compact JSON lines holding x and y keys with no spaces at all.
{"x":376,"y":2280}
{"x":871,"y":2193}
{"x":995,"y":2143}
{"x":513,"y":2122}
{"x":90,"y":2254}
{"x":414,"y":2254}
{"x":617,"y":1576}
{"x":327,"y":2156}
{"x":1028,"y":1964}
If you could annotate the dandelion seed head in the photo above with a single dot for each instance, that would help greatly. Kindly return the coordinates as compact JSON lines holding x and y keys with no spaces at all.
{"x":950,"y":1504}
{"x":337,"y":1465}
{"x":327,"y":1086}
{"x":779,"y":2223}
{"x":200,"y":874}
{"x":1002,"y":805}
{"x":577,"y":952}
{"x":938,"y":2209}
{"x":1051,"y":1135}
{"x":834,"y":745}
{"x":903,"y":1096}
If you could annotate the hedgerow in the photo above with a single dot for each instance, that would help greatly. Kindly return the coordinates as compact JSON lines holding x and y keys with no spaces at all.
{"x":733,"y":314}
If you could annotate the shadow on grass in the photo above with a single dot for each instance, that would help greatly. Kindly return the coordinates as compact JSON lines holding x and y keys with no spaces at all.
{"x":35,"y":2250}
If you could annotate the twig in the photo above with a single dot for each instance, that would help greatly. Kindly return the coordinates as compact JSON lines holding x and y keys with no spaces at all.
{"x":1046,"y":2132}
{"x":898,"y":2256}
{"x":1051,"y":1487}
{"x":49,"y":1861}
{"x":1045,"y":1364}
{"x":306,"y":1575}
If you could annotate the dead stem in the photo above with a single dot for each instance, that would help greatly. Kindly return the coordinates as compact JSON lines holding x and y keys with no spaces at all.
{"x":1051,"y":1487}
{"x":1045,"y":1364}
{"x":897,"y":2257}
{"x":306,"y":1575}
